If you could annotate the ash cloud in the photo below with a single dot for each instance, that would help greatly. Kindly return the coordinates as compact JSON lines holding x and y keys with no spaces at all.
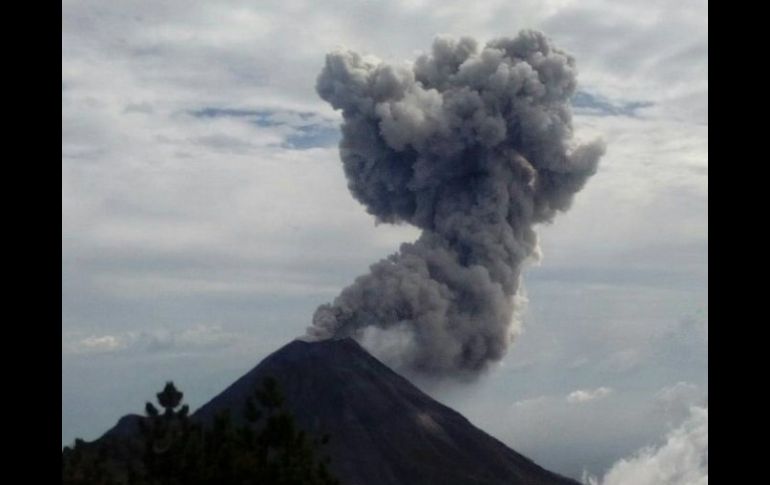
{"x":474,"y":146}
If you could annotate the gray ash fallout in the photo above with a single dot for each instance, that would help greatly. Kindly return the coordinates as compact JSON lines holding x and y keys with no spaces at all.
{"x":474,"y":146}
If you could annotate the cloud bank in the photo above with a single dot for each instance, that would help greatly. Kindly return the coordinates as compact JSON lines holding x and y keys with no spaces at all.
{"x":681,"y":460}
{"x":588,"y":395}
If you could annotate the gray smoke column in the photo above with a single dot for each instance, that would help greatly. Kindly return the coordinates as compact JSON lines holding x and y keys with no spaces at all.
{"x":473,"y":146}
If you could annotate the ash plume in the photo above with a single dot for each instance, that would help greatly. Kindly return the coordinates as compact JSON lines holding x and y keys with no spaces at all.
{"x":474,"y":146}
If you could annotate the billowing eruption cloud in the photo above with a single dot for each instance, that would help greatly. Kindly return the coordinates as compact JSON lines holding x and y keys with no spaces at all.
{"x":473,"y":146}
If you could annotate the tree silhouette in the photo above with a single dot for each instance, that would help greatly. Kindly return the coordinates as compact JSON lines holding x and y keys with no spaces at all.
{"x":166,"y":437}
{"x":267,"y":448}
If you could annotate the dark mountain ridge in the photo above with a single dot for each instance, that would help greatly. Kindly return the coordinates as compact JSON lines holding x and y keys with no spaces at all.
{"x":383,"y":430}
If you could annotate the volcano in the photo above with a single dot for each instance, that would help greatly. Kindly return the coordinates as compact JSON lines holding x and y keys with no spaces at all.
{"x":383,"y":430}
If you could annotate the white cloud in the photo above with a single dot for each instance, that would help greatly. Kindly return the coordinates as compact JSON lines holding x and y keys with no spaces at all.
{"x":681,"y":460}
{"x":680,"y":394}
{"x":199,"y":337}
{"x":585,"y":395}
{"x":104,"y":343}
{"x":530,"y":403}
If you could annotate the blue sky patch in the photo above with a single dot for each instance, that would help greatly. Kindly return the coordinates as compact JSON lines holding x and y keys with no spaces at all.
{"x":595,"y":105}
{"x":308,"y":130}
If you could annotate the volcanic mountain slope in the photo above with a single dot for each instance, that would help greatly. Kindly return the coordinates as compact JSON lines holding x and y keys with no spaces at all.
{"x":384,"y":431}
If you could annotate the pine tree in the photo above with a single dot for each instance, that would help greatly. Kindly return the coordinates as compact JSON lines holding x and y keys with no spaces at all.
{"x":267,"y":449}
{"x":166,"y":437}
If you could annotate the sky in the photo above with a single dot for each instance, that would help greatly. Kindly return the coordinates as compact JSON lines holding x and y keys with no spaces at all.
{"x":205,"y":216}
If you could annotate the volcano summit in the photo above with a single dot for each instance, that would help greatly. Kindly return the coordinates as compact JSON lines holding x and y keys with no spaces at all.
{"x":384,"y":430}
